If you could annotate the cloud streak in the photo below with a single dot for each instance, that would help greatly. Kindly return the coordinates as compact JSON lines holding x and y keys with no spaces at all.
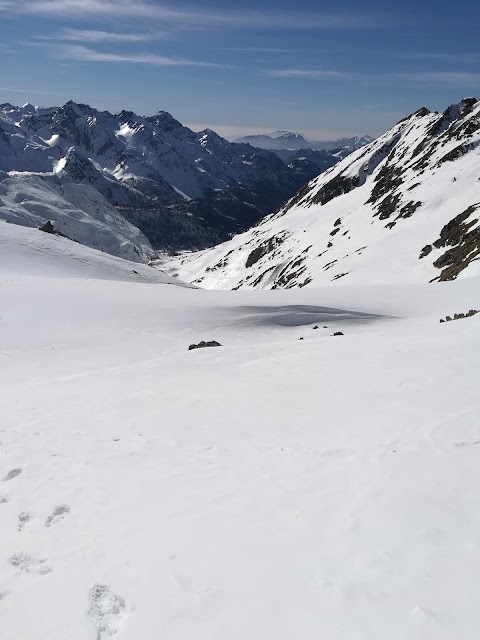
{"x":84,"y":54}
{"x":188,"y":17}
{"x":87,"y":35}
{"x":442,"y":78}
{"x":310,"y":74}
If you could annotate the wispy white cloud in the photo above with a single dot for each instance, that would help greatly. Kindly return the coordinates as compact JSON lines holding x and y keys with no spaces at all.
{"x":90,"y":35}
{"x":455,"y":58}
{"x":84,"y":54}
{"x":446,"y":78}
{"x":265,"y":49}
{"x":311,"y":74}
{"x":192,"y":16}
{"x":33,"y":92}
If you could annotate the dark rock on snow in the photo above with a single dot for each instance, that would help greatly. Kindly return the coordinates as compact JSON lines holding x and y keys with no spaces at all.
{"x":202,"y":344}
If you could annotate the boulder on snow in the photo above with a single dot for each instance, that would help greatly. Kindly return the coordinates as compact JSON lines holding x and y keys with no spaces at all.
{"x":49,"y":228}
{"x":338,"y":333}
{"x":202,"y":344}
{"x":460,"y":316}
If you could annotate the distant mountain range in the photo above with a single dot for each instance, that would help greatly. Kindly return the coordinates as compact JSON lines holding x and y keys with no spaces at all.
{"x":280,"y":140}
{"x":404,"y":208}
{"x":131,"y":185}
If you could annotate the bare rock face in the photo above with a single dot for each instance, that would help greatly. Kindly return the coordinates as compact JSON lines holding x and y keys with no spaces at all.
{"x":203,"y":344}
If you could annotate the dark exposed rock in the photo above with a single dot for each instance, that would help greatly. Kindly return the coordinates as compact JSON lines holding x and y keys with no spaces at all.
{"x":409,"y":209}
{"x":338,"y":333}
{"x":425,"y":251}
{"x":387,"y":181}
{"x":388,"y":206}
{"x":461,"y":316}
{"x":203,"y":344}
{"x":463,"y":239}
{"x":456,"y":153}
{"x":49,"y":228}
{"x":263,"y":249}
{"x":336,"y":187}
{"x":305,"y":282}
{"x":290,"y":274}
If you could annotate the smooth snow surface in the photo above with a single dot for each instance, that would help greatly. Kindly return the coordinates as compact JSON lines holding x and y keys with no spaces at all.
{"x":268,"y":488}
{"x":27,"y":252}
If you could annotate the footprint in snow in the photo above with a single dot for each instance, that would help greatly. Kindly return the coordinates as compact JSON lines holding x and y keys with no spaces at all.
{"x":58,"y":514}
{"x":13,"y":473}
{"x":24,"y":518}
{"x":26,"y":563}
{"x":3,"y":500}
{"x":106,"y":610}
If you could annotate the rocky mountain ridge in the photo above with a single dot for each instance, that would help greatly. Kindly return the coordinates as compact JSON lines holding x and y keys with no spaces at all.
{"x":402,"y":209}
{"x":180,"y":188}
{"x":292,"y":141}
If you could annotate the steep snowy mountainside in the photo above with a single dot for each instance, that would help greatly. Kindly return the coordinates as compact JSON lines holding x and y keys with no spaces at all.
{"x":182,"y":189}
{"x":26,"y":252}
{"x":405,"y":208}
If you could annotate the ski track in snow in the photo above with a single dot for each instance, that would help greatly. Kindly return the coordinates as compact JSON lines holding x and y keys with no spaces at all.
{"x":324,"y":488}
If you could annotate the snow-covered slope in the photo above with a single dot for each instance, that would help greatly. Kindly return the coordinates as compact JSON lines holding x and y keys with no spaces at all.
{"x":182,"y":189}
{"x":77,"y":211}
{"x":31,"y":252}
{"x":268,"y":488}
{"x":405,"y":208}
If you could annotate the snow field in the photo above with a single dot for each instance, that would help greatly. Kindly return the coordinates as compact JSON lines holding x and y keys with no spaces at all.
{"x":324,"y":488}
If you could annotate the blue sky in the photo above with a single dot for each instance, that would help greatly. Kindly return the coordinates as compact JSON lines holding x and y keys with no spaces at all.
{"x":322,"y":68}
